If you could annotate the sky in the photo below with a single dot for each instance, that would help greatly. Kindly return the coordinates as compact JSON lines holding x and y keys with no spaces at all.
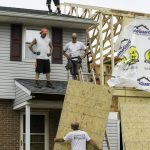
{"x":129,"y":5}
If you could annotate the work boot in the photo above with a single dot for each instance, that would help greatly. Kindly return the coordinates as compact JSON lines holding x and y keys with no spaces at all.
{"x":50,"y":11}
{"x":74,"y":77}
{"x":49,"y":85}
{"x":37,"y":84}
{"x":58,"y":11}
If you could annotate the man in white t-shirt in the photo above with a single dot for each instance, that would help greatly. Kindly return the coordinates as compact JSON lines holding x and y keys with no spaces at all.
{"x":77,"y":138}
{"x":43,"y":51}
{"x":73,"y":51}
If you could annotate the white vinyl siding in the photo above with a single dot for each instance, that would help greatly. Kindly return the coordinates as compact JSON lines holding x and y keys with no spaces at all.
{"x":4,"y":42}
{"x":21,"y":96}
{"x":113,"y":132}
{"x":10,"y":70}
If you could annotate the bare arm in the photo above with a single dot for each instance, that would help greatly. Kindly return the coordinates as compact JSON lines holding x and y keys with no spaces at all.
{"x":59,"y":140}
{"x":31,"y":45}
{"x":51,"y":48}
{"x":67,"y":56}
{"x":85,"y":53}
{"x":94,"y":144}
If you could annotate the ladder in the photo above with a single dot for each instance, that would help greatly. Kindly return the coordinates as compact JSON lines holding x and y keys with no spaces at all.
{"x":90,"y":75}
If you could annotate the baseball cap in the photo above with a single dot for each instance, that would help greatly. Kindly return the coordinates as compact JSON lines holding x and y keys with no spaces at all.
{"x":44,"y":30}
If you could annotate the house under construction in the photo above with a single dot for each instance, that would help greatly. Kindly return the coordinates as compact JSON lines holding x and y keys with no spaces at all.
{"x":30,"y":116}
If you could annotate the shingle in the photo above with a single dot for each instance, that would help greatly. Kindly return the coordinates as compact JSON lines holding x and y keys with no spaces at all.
{"x":59,"y":86}
{"x":32,"y":11}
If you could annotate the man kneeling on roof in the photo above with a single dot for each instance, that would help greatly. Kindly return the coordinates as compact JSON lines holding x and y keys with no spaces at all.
{"x":43,"y":51}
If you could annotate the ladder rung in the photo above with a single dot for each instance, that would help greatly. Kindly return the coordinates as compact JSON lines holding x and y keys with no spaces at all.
{"x":88,"y":74}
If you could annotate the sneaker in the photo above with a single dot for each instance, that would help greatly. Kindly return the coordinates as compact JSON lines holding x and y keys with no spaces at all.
{"x":49,"y":85}
{"x":37,"y":84}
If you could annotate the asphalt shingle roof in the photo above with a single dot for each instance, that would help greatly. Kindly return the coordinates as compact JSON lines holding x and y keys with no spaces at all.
{"x":59,"y":86}
{"x":33,"y":11}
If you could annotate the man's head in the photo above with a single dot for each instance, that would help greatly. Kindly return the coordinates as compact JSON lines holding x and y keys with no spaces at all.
{"x":43,"y":32}
{"x":74,"y":125}
{"x":74,"y":37}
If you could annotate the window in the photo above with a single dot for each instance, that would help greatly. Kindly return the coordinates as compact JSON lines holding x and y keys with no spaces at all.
{"x":30,"y":34}
{"x":39,"y":131}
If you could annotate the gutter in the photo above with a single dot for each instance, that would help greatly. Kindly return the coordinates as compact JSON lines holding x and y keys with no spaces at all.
{"x":46,"y":17}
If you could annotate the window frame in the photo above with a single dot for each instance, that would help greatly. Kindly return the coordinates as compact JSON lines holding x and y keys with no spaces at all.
{"x":46,"y":121}
{"x":25,"y":28}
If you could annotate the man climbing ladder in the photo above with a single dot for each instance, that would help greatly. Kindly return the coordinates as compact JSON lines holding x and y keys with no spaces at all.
{"x":73,"y":51}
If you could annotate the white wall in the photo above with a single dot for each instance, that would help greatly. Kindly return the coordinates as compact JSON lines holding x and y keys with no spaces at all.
{"x":9,"y":70}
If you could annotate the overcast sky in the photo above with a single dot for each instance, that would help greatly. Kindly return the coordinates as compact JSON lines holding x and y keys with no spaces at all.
{"x":131,"y":5}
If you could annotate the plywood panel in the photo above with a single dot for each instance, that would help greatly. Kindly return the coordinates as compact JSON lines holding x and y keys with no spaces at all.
{"x":114,"y":106}
{"x":133,"y":100}
{"x":87,"y":104}
{"x":130,"y":92}
{"x":135,"y":122}
{"x":137,"y":145}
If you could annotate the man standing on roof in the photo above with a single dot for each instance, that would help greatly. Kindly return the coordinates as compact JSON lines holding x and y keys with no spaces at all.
{"x":43,"y":51}
{"x":57,"y":4}
{"x":77,"y":138}
{"x":73,"y":51}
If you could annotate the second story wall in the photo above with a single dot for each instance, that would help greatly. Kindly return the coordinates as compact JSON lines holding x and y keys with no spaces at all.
{"x":9,"y":70}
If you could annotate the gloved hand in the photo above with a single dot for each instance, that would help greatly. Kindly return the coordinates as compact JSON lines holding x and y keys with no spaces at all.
{"x":68,"y":58}
{"x":48,"y":54}
{"x":81,"y":57}
{"x":38,"y":53}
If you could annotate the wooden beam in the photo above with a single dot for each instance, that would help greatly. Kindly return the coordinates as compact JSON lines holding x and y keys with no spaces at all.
{"x":101,"y":50}
{"x":112,"y":45}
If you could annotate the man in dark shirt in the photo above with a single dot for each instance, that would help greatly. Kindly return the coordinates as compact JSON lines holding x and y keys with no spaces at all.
{"x":57,"y":4}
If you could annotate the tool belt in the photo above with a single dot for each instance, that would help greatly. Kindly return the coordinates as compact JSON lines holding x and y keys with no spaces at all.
{"x":73,"y":59}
